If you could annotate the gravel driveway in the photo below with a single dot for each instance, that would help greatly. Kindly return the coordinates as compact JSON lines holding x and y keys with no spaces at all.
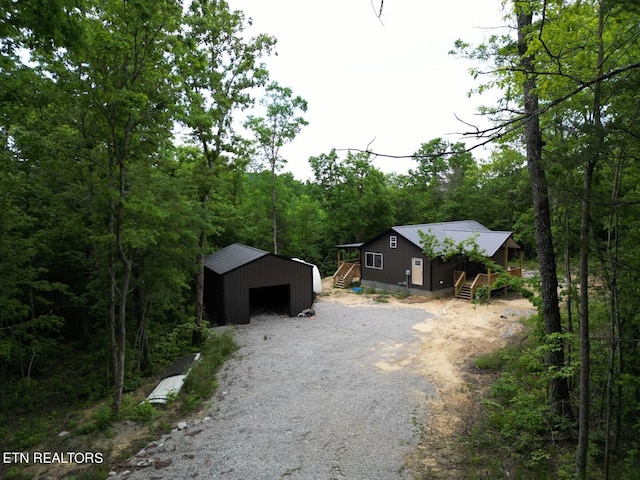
{"x":306,"y":398}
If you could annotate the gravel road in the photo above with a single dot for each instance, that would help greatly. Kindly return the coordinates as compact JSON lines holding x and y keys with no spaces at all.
{"x":306,"y":398}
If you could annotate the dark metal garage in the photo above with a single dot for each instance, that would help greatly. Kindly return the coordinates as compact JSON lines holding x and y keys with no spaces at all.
{"x":239,"y":278}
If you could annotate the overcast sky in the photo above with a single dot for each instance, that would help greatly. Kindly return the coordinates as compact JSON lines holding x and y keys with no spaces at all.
{"x":392,"y":81}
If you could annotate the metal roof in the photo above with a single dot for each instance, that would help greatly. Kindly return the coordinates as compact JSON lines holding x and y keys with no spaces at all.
{"x":488,"y":241}
{"x":232,"y":257}
{"x":350,"y":245}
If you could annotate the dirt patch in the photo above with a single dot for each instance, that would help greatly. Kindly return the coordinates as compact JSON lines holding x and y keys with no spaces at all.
{"x":459,"y":333}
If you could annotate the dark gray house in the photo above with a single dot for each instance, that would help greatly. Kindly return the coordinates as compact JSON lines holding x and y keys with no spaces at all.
{"x":394,"y":260}
{"x":239,"y":279}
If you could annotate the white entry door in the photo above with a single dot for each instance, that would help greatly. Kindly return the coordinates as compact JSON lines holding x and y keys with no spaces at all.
{"x":416,"y":271}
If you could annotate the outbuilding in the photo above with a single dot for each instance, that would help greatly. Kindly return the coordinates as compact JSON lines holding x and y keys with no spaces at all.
{"x":240,"y":279}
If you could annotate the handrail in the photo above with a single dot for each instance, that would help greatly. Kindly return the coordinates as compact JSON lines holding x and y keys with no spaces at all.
{"x":340,"y":267}
{"x":481,"y":279}
{"x":345,"y":275}
{"x":474,"y":285}
{"x":459,"y":282}
{"x":358,"y":271}
{"x":515,"y":271}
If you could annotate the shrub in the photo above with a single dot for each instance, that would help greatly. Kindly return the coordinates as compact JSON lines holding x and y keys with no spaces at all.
{"x":29,"y":433}
{"x":143,"y":412}
{"x":101,"y":420}
{"x":201,"y":381}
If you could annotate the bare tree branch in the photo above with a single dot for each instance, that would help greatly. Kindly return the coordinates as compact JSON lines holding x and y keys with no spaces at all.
{"x":497,"y":132}
{"x":378,"y":12}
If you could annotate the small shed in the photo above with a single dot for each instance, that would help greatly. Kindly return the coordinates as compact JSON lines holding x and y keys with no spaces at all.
{"x":240,"y":279}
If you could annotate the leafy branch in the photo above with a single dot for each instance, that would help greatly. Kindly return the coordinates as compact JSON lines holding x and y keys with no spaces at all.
{"x":448,"y":248}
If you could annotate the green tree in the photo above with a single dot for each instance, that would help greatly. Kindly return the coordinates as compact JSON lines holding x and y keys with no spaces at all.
{"x":218,"y":70}
{"x":30,"y":322}
{"x":575,"y":60}
{"x":560,"y":402}
{"x":445,"y":180}
{"x":602,"y":47}
{"x":505,"y":192}
{"x":280,"y":124}
{"x":125,"y":77}
{"x":356,"y":194}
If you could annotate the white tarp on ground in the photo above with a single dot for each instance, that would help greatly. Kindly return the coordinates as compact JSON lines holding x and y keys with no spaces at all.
{"x":166,"y":388}
{"x":170,"y":385}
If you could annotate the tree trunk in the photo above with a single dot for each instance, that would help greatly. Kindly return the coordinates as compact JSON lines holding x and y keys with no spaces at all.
{"x":615,"y":353}
{"x":559,"y":387}
{"x":569,"y":281}
{"x":212,"y":157}
{"x":585,"y":251}
{"x":121,"y":331}
{"x":112,"y":282}
{"x":612,"y":375}
{"x":141,"y":347}
{"x":196,"y":337}
{"x":274,"y":207}
{"x":583,"y":418}
{"x":121,"y":338}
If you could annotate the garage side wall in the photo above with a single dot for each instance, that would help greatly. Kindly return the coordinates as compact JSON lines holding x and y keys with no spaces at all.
{"x":214,"y":301}
{"x":267,"y":271}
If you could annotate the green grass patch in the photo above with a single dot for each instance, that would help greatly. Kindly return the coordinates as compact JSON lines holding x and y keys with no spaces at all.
{"x":401,"y":294}
{"x":498,"y":359}
{"x":201,"y":382}
{"x":492,"y":361}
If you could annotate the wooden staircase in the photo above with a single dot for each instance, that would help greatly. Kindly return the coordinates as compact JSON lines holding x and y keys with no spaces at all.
{"x":344,"y":281}
{"x":346,"y":274}
{"x":465,"y":291}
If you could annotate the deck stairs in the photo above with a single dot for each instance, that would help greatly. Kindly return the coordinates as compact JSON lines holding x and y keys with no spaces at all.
{"x":345,"y":275}
{"x":343,"y":282}
{"x":465,"y":291}
{"x":467,"y":288}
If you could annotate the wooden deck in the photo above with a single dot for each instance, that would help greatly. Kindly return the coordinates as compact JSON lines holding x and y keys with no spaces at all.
{"x":466,"y":288}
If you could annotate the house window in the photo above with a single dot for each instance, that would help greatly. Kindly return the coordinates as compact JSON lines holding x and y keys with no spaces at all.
{"x":373,"y":260}
{"x":393,"y":241}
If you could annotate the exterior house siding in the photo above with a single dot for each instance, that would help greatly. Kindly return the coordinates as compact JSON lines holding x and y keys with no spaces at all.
{"x":396,"y":261}
{"x":499,"y":257}
{"x":437,"y":274}
{"x":442,"y":277}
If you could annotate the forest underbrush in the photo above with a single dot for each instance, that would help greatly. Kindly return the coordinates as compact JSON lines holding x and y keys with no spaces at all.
{"x":87,"y":437}
{"x":510,"y":432}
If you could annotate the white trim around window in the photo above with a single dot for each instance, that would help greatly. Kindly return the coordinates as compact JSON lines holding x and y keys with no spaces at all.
{"x":373,"y":260}
{"x":393,"y":241}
